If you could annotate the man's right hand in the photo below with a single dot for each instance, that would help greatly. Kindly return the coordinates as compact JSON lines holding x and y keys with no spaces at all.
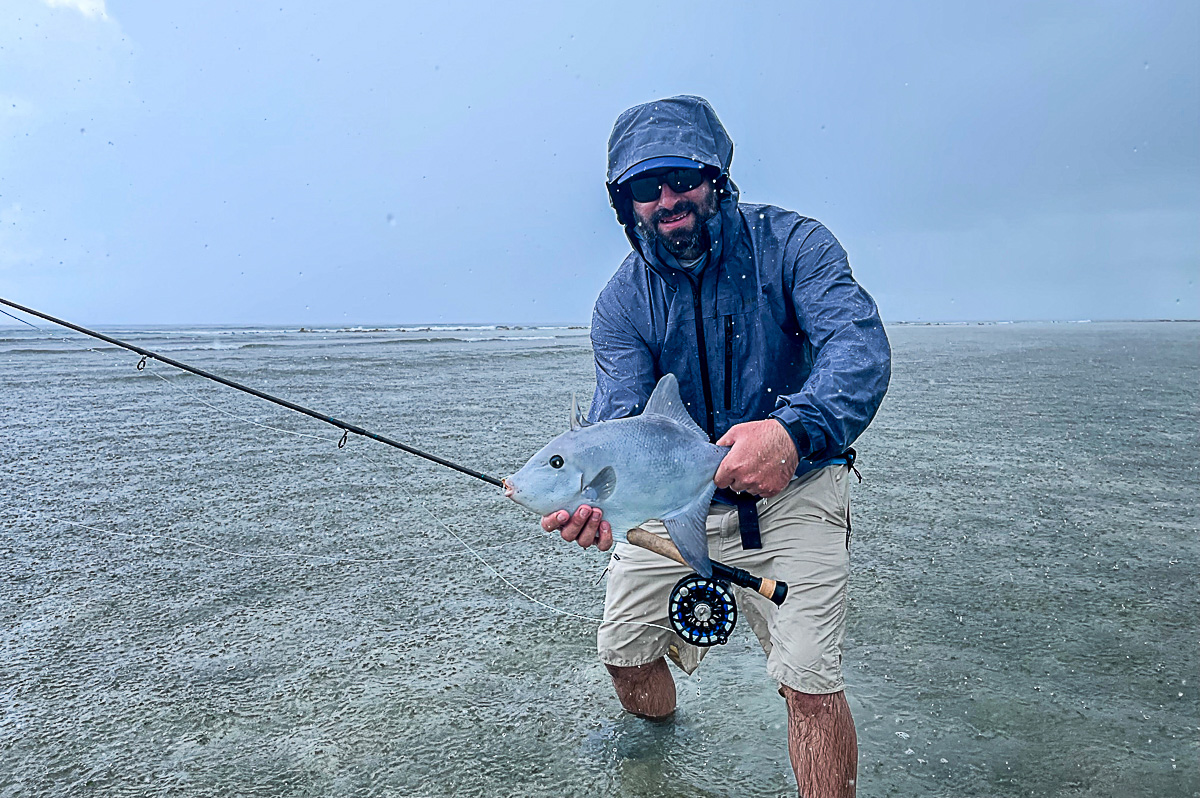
{"x":585,"y":527}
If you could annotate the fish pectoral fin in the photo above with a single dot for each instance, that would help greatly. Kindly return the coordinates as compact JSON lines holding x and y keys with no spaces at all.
{"x":689,"y":532}
{"x":602,"y":485}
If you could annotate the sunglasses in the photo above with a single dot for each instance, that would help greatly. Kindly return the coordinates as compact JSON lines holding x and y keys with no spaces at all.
{"x":649,"y":188}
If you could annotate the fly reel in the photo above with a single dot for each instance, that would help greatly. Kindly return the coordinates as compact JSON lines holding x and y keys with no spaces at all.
{"x":703,"y":611}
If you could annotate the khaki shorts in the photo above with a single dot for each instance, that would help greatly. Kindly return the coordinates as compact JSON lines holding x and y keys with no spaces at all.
{"x":805,"y":543}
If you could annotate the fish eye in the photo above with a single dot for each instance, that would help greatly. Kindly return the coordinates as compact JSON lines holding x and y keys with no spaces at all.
{"x":556,"y":461}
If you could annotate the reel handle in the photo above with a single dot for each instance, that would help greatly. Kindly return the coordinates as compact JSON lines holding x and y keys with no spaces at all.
{"x":771,"y":589}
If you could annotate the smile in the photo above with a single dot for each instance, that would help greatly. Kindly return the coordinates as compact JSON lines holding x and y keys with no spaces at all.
{"x":674,"y":221}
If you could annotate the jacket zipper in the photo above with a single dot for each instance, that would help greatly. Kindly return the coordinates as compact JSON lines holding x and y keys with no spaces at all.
{"x":728,"y":362}
{"x":697,"y":311}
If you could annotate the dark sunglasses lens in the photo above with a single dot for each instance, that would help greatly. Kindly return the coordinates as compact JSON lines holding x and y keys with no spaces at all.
{"x":684,"y":179}
{"x":648,"y":189}
{"x":645,"y":189}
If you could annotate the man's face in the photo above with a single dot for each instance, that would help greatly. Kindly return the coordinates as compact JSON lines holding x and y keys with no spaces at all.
{"x":677,"y":219}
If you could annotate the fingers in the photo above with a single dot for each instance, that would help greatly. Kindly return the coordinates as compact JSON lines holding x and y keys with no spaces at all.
{"x":767,"y":491}
{"x":582,"y":527}
{"x":606,"y":538}
{"x":724,"y":476}
{"x":591,"y":531}
{"x":730,"y":437}
{"x":575,"y":523}
{"x":586,"y":527}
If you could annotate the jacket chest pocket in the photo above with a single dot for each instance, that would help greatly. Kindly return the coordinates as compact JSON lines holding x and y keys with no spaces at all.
{"x":741,"y":366}
{"x":750,"y":375}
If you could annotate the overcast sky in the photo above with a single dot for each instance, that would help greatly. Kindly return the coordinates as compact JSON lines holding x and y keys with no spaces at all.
{"x":314,"y":163}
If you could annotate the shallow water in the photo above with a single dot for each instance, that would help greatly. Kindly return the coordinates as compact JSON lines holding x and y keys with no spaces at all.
{"x":1023,"y":620}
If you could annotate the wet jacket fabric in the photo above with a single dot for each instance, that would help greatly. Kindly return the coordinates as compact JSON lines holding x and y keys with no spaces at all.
{"x":772,"y":325}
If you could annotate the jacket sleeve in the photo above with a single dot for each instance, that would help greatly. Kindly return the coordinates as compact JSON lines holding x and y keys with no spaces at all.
{"x":625,"y":374}
{"x":851,"y":355}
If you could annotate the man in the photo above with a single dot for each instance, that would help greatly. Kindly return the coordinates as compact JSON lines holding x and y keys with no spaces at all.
{"x":781,"y":356}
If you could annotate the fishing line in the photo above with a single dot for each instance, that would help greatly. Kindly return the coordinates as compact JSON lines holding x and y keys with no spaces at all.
{"x":347,"y":428}
{"x":23,"y":321}
{"x":233,"y":415}
{"x":52,"y":337}
{"x":147,"y":368}
{"x":511,"y":585}
{"x":142,"y":366}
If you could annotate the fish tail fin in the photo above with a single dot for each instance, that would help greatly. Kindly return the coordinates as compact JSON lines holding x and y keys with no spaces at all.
{"x":689,"y":532}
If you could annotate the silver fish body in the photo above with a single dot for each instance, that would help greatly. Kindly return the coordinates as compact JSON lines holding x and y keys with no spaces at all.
{"x":655,"y":466}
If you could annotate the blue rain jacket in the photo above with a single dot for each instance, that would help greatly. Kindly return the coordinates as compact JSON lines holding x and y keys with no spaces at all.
{"x":773,"y":325}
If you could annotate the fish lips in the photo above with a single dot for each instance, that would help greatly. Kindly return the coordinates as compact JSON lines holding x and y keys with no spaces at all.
{"x":533,"y":502}
{"x":511,"y":491}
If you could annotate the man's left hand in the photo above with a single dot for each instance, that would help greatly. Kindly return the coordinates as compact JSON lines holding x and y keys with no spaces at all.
{"x":762,"y":461}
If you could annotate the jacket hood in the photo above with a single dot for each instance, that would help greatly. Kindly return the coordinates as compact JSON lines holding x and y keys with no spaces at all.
{"x":684,"y":126}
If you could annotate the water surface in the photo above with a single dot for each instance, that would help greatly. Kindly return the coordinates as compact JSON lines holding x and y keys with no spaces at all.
{"x":1023,"y":619}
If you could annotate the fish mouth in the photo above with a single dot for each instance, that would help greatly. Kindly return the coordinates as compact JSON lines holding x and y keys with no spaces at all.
{"x":509,"y":490}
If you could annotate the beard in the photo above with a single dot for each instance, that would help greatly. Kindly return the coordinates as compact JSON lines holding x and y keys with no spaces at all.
{"x":685,"y":242}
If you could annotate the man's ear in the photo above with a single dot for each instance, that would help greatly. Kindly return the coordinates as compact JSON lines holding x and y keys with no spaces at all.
{"x":622,"y":202}
{"x":721,"y":184}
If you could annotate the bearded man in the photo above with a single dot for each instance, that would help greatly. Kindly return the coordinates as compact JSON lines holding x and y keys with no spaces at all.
{"x":781,"y":356}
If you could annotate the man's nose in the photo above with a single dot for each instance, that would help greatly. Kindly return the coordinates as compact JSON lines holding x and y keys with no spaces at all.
{"x":669,"y":197}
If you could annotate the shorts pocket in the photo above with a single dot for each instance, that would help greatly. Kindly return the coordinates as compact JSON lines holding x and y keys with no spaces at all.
{"x":822,"y":497}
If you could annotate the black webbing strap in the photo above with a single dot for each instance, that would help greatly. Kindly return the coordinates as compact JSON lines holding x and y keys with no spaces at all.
{"x":747,"y":509}
{"x":747,"y":506}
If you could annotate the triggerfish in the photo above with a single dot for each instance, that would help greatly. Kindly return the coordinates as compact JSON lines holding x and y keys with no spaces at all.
{"x":655,"y":466}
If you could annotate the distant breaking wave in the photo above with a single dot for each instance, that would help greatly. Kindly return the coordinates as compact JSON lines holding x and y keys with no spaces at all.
{"x":440,"y":328}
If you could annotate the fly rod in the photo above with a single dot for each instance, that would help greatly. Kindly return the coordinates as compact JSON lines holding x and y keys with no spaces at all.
{"x":342,"y":425}
{"x":772,"y":590}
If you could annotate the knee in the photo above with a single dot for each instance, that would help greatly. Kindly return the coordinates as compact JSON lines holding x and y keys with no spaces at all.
{"x":647,"y":691}
{"x":803,"y":706}
{"x":639,"y":680}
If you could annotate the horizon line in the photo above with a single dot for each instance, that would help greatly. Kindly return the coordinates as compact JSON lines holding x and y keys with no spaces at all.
{"x":427,"y":326}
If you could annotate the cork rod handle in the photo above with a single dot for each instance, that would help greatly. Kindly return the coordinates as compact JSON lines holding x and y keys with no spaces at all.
{"x":771,"y":589}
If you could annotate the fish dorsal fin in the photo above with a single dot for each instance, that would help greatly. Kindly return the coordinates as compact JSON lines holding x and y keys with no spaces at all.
{"x":665,"y":401}
{"x":578,"y":420}
{"x":601,"y":486}
{"x":688,"y":531}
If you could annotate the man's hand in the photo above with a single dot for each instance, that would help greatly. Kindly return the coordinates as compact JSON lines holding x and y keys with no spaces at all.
{"x":762,"y":461}
{"x":585,"y":527}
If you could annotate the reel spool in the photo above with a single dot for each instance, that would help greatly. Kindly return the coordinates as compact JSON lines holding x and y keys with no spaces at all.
{"x":702,"y":611}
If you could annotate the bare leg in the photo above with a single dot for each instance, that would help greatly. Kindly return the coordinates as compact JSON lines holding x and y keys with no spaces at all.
{"x":647,"y":691}
{"x":822,"y":744}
